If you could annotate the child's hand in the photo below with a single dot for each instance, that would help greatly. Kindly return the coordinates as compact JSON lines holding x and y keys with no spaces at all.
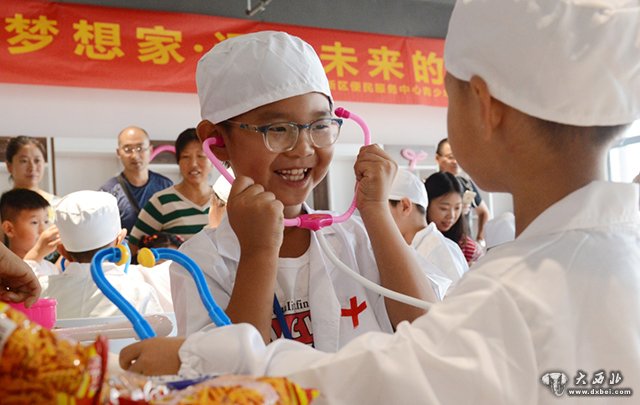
{"x":156,"y":356}
{"x":17,"y":281}
{"x":47,"y":243}
{"x":255,"y":215}
{"x":375,"y":171}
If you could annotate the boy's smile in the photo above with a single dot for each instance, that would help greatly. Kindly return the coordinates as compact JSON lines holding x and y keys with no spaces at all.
{"x":290,"y":175}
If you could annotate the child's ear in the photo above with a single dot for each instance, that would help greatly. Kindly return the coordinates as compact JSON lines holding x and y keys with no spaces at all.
{"x":205,"y":130}
{"x":121,"y":236}
{"x":63,"y":252}
{"x":407,"y":206}
{"x":7,"y":228}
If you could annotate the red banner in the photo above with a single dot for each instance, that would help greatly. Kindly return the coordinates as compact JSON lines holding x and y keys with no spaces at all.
{"x":89,"y":46}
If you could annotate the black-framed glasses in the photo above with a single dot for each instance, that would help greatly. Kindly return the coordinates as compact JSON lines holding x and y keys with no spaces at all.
{"x":283,"y":136}
{"x":130,"y":149}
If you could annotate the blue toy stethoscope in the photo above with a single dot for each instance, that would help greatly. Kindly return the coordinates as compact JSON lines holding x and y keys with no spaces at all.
{"x":147,"y":257}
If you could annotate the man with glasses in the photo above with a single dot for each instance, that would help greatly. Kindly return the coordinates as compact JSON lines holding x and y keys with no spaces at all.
{"x":136,"y":183}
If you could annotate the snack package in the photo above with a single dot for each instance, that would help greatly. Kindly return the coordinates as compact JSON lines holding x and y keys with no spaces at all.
{"x":37,"y":367}
{"x":130,"y":389}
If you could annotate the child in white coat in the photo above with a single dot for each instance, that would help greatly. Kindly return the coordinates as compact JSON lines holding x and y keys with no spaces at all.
{"x":274,"y":115}
{"x":87,"y":222}
{"x":537,"y":93}
{"x":408,"y":202}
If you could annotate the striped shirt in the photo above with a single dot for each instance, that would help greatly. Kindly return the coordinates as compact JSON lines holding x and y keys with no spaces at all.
{"x":171,"y":212}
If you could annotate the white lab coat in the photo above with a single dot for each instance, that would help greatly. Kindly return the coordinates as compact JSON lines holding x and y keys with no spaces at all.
{"x":43,"y":268}
{"x":217,"y":252}
{"x":564,"y":296}
{"x":158,"y":278}
{"x":79,"y":297}
{"x":441,"y":252}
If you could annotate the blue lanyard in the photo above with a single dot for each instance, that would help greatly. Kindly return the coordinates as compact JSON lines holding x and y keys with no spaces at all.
{"x":277,"y":309}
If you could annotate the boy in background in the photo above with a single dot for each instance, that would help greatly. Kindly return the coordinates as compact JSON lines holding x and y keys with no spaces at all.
{"x":30,"y":235}
{"x":89,"y":221}
{"x":408,"y":202}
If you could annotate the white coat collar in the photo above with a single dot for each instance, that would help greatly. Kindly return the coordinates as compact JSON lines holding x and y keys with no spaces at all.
{"x":227,"y":243}
{"x":599,"y":203}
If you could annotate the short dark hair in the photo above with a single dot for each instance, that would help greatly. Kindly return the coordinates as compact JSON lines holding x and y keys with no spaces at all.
{"x":439,"y":184}
{"x":85,"y":257}
{"x":160,"y":240}
{"x":557,"y":134}
{"x":185,"y":138}
{"x":16,"y":143}
{"x":17,"y":200}
{"x":440,"y":145}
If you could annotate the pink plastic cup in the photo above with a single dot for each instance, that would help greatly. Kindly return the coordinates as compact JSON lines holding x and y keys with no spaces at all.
{"x":43,"y":312}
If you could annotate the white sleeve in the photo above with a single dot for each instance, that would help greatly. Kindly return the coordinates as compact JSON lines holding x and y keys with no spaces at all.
{"x":460,"y":352}
{"x":43,"y":268}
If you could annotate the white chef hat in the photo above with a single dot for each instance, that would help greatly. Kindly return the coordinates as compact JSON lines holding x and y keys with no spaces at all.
{"x":408,"y":185}
{"x":251,"y":70}
{"x":87,"y":220}
{"x":568,"y":61}
{"x":222,"y":187}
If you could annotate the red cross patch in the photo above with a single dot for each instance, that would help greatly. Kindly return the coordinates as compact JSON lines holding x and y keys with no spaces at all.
{"x":354,"y":311}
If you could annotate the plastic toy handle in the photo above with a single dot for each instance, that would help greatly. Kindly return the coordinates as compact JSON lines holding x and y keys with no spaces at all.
{"x":160,"y":149}
{"x":140,"y":325}
{"x":216,"y":313}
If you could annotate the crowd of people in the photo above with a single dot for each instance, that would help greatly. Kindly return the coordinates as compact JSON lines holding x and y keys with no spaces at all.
{"x":489,"y":324}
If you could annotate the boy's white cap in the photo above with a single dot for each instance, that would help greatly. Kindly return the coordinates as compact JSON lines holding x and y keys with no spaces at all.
{"x":222,"y":187}
{"x":251,"y":70}
{"x":568,"y":61}
{"x":407,"y":184}
{"x":87,"y":220}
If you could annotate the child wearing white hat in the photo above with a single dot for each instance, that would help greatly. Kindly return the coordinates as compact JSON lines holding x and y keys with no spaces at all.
{"x":408,"y":202}
{"x":87,"y":222}
{"x":267,"y":97}
{"x":537,"y":92}
{"x":259,"y":113}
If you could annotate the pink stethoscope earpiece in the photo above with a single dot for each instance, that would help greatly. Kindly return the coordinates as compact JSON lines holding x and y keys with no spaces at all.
{"x":216,"y":141}
{"x":313,"y":222}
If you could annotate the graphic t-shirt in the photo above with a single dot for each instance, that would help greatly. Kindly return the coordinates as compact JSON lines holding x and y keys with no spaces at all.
{"x":292,"y":291}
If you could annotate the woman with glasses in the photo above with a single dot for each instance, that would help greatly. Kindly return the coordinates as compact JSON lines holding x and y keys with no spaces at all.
{"x":182,"y":209}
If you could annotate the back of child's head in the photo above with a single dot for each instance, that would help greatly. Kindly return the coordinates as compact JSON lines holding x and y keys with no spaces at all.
{"x":248,"y":71}
{"x":442,"y":183}
{"x":13,"y":202}
{"x":408,"y":185}
{"x":568,"y":64}
{"x":87,"y":221}
{"x":185,"y":138}
{"x":161,"y":240}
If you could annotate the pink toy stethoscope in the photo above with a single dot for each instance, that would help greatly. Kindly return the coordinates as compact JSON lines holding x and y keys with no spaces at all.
{"x":313,"y":222}
{"x":317,"y":221}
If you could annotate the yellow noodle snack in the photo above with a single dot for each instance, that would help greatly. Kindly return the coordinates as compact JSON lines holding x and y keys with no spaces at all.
{"x":37,"y":367}
{"x":130,"y":389}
